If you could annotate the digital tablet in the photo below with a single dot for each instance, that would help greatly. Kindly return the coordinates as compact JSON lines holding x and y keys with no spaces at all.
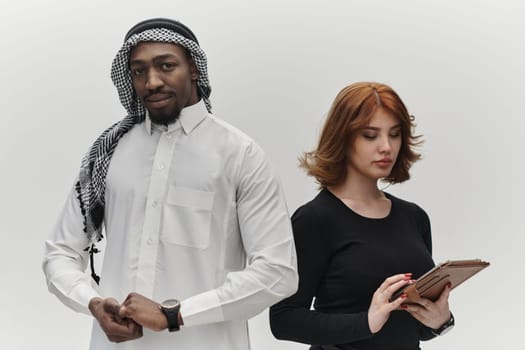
{"x":432,"y":283}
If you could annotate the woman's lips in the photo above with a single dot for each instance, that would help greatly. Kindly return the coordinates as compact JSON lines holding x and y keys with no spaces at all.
{"x":384,"y":163}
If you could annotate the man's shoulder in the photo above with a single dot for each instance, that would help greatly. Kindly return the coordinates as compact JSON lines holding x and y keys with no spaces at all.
{"x":225,"y":126}
{"x":229,"y":133}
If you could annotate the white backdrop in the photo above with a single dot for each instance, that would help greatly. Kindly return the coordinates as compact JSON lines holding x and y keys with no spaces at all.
{"x":275,"y":67}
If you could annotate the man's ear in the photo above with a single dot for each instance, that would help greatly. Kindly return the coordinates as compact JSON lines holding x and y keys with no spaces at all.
{"x":194,"y":71}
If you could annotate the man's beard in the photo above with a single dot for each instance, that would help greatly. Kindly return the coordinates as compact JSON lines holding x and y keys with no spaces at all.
{"x":164,"y":118}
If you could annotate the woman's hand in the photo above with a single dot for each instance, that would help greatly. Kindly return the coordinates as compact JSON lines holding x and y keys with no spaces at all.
{"x":380,"y":307}
{"x":431,"y":314}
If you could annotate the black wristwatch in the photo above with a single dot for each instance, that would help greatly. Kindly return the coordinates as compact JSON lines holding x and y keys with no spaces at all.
{"x":171,"y":308}
{"x":447,"y":326}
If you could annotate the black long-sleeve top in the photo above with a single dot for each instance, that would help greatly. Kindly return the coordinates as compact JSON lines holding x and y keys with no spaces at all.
{"x":342,"y":259}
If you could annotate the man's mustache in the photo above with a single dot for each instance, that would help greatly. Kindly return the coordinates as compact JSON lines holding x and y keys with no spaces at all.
{"x":159,"y":95}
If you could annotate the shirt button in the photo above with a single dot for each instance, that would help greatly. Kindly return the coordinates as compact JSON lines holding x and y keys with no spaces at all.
{"x":154,"y":204}
{"x":161,"y":166}
{"x":149,"y":241}
{"x":169,"y":136}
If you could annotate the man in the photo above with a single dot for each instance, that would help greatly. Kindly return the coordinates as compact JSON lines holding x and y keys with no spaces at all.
{"x":198,"y":234}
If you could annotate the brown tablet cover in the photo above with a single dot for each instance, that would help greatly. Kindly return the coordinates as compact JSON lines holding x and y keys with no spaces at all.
{"x":432,"y":283}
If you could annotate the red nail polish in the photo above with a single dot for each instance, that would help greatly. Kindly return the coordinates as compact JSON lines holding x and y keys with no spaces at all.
{"x":408,"y":274}
{"x":404,"y":296}
{"x":403,"y":306}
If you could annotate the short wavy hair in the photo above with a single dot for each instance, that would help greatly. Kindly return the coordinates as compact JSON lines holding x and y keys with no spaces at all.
{"x":350,"y":112}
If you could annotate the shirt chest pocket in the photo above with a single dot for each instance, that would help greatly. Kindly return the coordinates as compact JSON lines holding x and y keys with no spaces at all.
{"x":187,"y":217}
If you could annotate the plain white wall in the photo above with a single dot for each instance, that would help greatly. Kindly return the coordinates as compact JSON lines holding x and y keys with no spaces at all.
{"x":275,"y":67}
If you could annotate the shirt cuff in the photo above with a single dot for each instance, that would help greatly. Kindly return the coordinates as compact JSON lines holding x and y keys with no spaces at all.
{"x":201,"y":309}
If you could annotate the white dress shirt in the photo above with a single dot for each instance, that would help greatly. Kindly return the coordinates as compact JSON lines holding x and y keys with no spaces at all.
{"x":193,"y":212}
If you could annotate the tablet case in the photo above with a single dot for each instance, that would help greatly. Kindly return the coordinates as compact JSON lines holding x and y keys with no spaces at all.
{"x":432,"y":283}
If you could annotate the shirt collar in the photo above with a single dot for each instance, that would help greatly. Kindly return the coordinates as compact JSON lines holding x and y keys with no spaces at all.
{"x":190,"y":117}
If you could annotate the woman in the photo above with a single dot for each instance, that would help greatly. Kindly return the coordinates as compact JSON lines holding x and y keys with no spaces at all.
{"x":357,"y":245}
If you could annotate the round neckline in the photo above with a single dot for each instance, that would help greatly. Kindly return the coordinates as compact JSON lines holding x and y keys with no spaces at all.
{"x":386,"y":217}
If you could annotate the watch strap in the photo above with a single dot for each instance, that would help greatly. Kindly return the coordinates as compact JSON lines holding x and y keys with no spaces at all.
{"x":445,"y":327}
{"x":172,"y":316}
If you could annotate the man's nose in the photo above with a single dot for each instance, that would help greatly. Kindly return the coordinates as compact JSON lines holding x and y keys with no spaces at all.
{"x":153,"y":81}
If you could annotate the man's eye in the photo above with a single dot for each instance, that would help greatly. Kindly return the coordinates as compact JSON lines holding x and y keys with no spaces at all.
{"x":137,"y":72}
{"x":168,"y":66}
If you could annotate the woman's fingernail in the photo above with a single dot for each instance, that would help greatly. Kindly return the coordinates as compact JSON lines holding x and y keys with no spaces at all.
{"x":409,"y":274}
{"x":449,"y":285}
{"x":404,"y":296}
{"x":403,"y":306}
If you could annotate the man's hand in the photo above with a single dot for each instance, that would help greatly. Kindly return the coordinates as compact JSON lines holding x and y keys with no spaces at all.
{"x":431,"y":314}
{"x":143,"y":311}
{"x":117,"y":329}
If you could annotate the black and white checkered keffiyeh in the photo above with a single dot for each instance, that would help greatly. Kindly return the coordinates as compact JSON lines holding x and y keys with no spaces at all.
{"x":121,"y":75}
{"x":91,"y":184}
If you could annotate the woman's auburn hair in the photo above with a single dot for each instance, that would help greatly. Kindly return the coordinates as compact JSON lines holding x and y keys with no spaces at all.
{"x":350,"y":112}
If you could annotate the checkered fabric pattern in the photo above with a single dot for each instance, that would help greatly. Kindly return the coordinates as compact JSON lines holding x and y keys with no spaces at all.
{"x":121,"y":75}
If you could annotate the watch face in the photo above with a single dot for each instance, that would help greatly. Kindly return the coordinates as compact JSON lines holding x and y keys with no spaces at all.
{"x":170,"y":303}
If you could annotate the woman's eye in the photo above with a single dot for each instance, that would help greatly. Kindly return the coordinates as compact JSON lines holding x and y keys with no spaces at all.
{"x":369,"y":136}
{"x":395,"y":134}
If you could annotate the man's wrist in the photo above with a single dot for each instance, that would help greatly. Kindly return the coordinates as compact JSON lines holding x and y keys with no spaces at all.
{"x":181,"y":321}
{"x":171,"y":310}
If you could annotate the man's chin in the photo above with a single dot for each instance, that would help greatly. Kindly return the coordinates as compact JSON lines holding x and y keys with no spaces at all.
{"x":163,"y":118}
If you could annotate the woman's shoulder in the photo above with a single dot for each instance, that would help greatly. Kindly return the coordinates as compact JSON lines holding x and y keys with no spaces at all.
{"x":316,"y":214}
{"x":314,"y":209}
{"x":311,"y":223}
{"x":407,"y":206}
